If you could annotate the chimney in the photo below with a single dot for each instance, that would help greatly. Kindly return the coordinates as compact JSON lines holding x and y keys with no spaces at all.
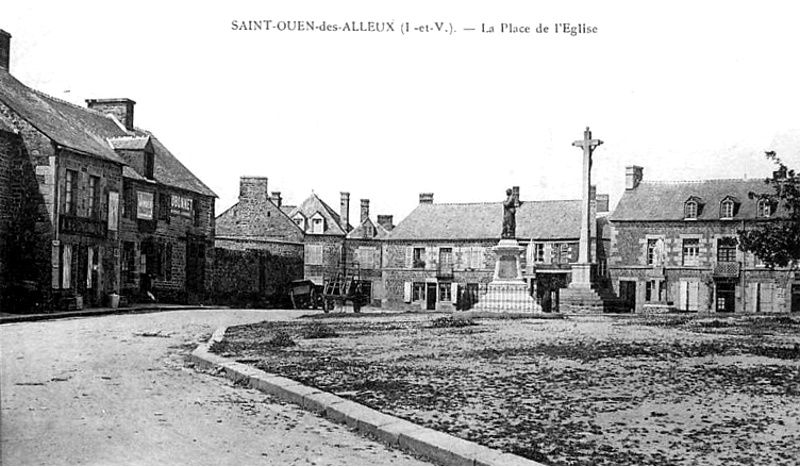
{"x":515,"y":193}
{"x":121,"y":108}
{"x":344,"y":210}
{"x":5,"y":50}
{"x":633,"y":175}
{"x":386,"y":221}
{"x":276,"y":198}
{"x":602,"y":203}
{"x":253,"y":189}
{"x":364,"y":210}
{"x":426,"y":198}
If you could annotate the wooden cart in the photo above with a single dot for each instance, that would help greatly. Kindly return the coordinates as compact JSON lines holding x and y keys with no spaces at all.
{"x":344,"y":285}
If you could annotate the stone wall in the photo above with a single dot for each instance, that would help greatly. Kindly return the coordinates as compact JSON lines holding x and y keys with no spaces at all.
{"x":254,"y":278}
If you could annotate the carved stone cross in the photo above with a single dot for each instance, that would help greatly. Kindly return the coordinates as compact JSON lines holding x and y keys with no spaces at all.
{"x":588,"y":144}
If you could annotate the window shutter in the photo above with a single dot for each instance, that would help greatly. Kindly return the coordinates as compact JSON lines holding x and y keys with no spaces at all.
{"x":407,"y":292}
{"x":682,"y":297}
{"x":357,"y":257}
{"x":454,"y":292}
{"x":768,"y":297}
{"x":66,"y":264}
{"x":89,"y":263}
{"x":752,"y":297}
{"x":409,"y":257}
{"x":694,"y":288}
{"x":481,"y":257}
{"x":431,"y":253}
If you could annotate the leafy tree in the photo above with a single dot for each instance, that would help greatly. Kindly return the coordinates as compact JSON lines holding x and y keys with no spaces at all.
{"x":777,"y":242}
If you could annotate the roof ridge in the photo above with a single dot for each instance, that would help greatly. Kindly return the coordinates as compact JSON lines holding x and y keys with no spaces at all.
{"x":63,"y":101}
{"x":678,"y":182}
{"x":497,"y":202}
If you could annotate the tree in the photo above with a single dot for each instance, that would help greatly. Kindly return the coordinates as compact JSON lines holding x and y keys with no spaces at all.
{"x":777,"y":242}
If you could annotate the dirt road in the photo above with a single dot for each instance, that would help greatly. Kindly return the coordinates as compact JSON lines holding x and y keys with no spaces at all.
{"x":116,"y":390}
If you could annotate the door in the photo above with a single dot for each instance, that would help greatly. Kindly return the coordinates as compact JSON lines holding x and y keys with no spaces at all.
{"x":795,"y":298}
{"x":627,"y":292}
{"x":726,"y":294}
{"x":430,"y":294}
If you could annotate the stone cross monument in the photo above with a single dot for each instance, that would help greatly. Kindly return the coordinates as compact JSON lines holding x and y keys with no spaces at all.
{"x":582,"y":271}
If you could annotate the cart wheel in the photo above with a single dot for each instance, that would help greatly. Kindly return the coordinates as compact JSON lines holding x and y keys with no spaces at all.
{"x":326,"y":305}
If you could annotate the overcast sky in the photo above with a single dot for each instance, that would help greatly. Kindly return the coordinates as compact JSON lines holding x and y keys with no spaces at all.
{"x":688,"y":90}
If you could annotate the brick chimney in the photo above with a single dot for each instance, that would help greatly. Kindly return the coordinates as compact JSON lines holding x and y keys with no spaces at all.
{"x":602,"y":203}
{"x":386,"y":221}
{"x":276,"y":198}
{"x":5,"y":50}
{"x":121,"y":108}
{"x":344,"y":210}
{"x":364,"y":210}
{"x":633,"y":175}
{"x":426,"y":198}
{"x":253,"y":189}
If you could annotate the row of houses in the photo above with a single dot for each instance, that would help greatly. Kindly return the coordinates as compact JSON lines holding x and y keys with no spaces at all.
{"x":93,"y":207}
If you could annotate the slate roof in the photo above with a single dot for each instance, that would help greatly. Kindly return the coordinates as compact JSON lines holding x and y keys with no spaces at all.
{"x":314,"y":204}
{"x":91,"y":132}
{"x":368,"y":230}
{"x":84,"y":131}
{"x":539,"y":220}
{"x":664,"y":201}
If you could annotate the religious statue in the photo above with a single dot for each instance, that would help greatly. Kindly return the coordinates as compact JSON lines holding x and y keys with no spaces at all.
{"x":509,"y":215}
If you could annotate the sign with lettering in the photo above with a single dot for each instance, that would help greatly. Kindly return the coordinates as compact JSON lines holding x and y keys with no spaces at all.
{"x":144,"y":205}
{"x":113,"y":210}
{"x":182,"y":206}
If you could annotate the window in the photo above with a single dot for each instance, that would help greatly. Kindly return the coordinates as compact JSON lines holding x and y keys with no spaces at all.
{"x":445,"y":257}
{"x":300,"y":221}
{"x":418,"y":291}
{"x":690,"y":210}
{"x":71,"y":192}
{"x":538,"y":252}
{"x":419,"y":258}
{"x":198,"y":214}
{"x":477,"y":260}
{"x":313,"y":254}
{"x":764,"y":208}
{"x":128,"y":264}
{"x":726,"y":250}
{"x":726,"y":209}
{"x":691,"y":252}
{"x":445,"y":291}
{"x":651,"y":250}
{"x":317,"y":225}
{"x":366,"y":257}
{"x":654,"y":291}
{"x":366,"y":290}
{"x":94,"y":197}
{"x":164,"y":206}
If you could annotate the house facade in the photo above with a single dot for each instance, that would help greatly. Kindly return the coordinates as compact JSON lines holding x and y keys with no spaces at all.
{"x":439,"y":258}
{"x":258,"y":248}
{"x":88,"y":218}
{"x":674,"y":246}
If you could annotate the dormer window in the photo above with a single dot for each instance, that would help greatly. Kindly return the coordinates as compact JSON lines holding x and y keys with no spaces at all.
{"x":691,"y":209}
{"x":300,"y":220}
{"x":149,"y":165}
{"x":764,"y":208}
{"x":727,"y":208}
{"x":317,"y":224}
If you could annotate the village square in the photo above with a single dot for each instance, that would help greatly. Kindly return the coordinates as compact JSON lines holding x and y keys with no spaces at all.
{"x":141,"y":324}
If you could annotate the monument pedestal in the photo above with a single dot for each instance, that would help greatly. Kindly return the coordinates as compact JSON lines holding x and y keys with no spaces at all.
{"x":583,"y":295}
{"x":508,"y":292}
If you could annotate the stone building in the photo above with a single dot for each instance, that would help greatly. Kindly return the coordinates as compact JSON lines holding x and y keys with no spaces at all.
{"x":364,"y":249}
{"x":439,"y":257}
{"x":674,"y":246}
{"x":85,"y":197}
{"x":259,"y":249}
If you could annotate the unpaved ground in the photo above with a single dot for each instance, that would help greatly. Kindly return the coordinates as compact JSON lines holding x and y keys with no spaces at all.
{"x":116,"y":390}
{"x":584,"y":390}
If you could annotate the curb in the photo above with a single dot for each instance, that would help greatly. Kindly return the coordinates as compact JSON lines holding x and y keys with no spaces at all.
{"x":95,"y":312}
{"x":437,"y":446}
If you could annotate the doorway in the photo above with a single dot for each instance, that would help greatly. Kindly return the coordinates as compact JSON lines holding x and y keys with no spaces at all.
{"x":795,"y":298}
{"x":726,"y":294}
{"x":430,"y":294}
{"x":627,"y":292}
